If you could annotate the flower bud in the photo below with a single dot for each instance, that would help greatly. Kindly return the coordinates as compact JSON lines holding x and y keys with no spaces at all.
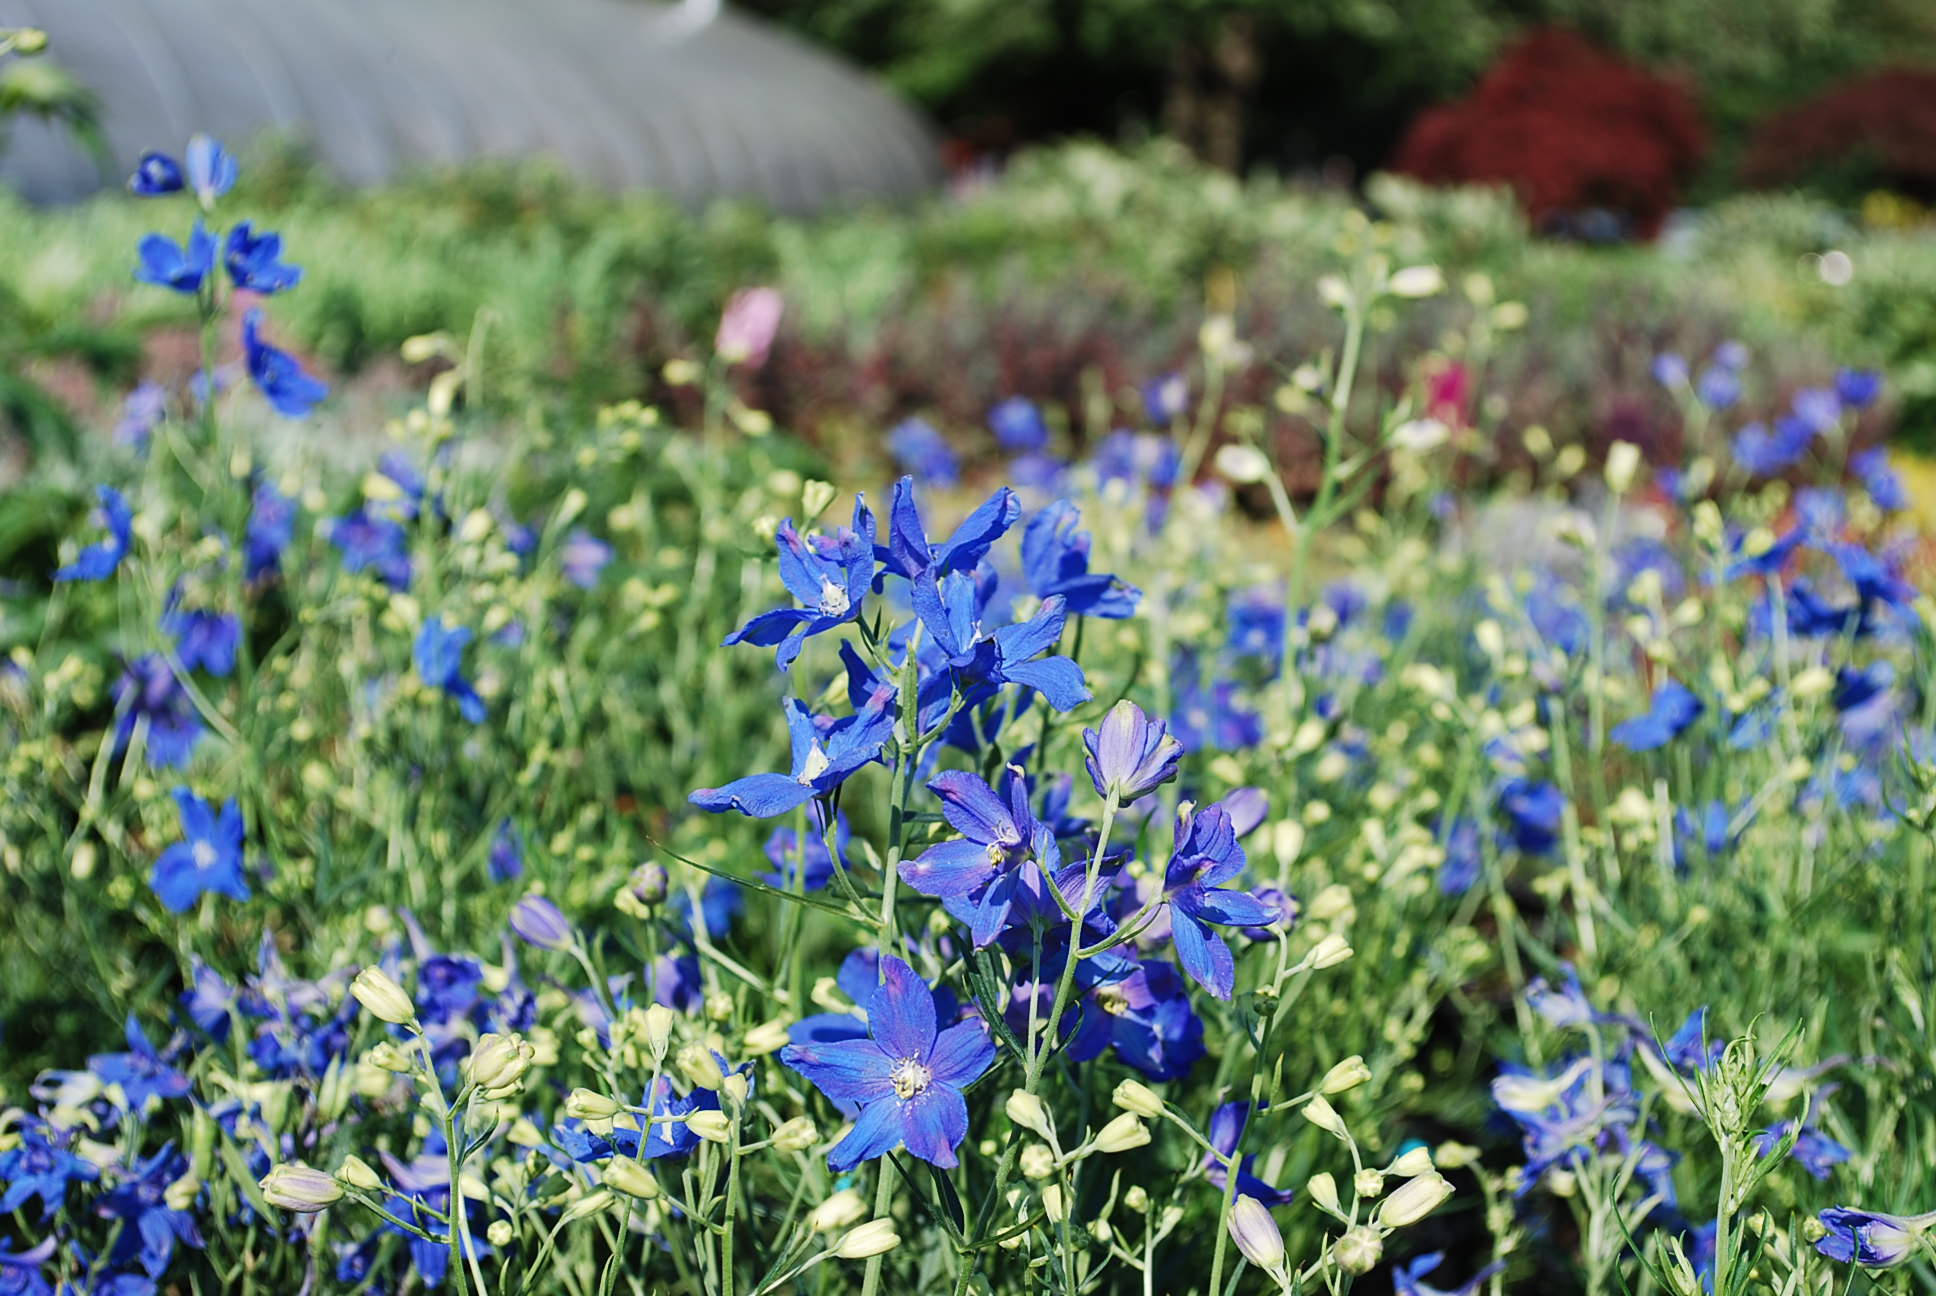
{"x":1323,"y":1115}
{"x":697,"y":1063}
{"x":1137,"y":1198}
{"x":1027,"y":1111}
{"x":584,"y":1104}
{"x":1130,"y":754}
{"x":1323,"y":1190}
{"x":767,"y":1037}
{"x":1134,"y":1096}
{"x":1127,"y":1131}
{"x":658,"y":1030}
{"x":1368,"y":1182}
{"x":643,"y":890}
{"x":500,"y":1233}
{"x":1358,"y":1250}
{"x":1055,"y":1205}
{"x":837,"y":1212}
{"x":537,"y":921}
{"x":1329,"y":952}
{"x":870,"y":1239}
{"x":713,"y":1126}
{"x":623,"y":1174}
{"x":382,"y":997}
{"x":796,"y":1135}
{"x":1348,"y":1074}
{"x":1415,"y":1162}
{"x":295,"y":1187}
{"x":356,"y":1172}
{"x":590,"y":1204}
{"x":1256,"y":1233}
{"x":1417,"y":281}
{"x":499,"y":1063}
{"x":1037,"y":1161}
{"x":1414,"y":1200}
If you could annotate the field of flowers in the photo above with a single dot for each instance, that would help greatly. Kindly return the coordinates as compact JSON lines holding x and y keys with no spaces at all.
{"x":593,"y":855}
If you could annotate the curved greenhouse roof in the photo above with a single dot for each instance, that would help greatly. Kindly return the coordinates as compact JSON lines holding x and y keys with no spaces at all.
{"x":689,"y":100}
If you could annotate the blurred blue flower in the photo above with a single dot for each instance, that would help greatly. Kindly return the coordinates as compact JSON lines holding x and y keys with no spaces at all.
{"x":1673,"y":709}
{"x":1406,"y":1278}
{"x":168,"y":264}
{"x":41,"y":1165}
{"x":440,"y":662}
{"x":816,"y":870}
{"x":254,"y":261}
{"x":204,"y":640}
{"x":1145,"y":1015}
{"x":1857,"y":388}
{"x":923,"y":453}
{"x":290,"y":391}
{"x":506,"y":858}
{"x":1055,"y":561}
{"x":149,"y":692}
{"x":1872,"y":1238}
{"x":208,"y":858}
{"x":98,"y":560}
{"x":1226,"y":1131}
{"x":584,"y":558}
{"x":377,"y":545}
{"x":1533,"y":813}
{"x":142,"y":1073}
{"x":1018,"y":426}
{"x":154,"y":175}
{"x":210,"y":169}
{"x":272,"y":525}
{"x":1871,"y":467}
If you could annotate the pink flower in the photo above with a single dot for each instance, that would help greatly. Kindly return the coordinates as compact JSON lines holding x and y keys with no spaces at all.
{"x":747,"y":327}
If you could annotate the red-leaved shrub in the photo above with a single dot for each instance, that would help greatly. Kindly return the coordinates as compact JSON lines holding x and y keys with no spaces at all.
{"x":1878,"y":131}
{"x":1570,"y":128}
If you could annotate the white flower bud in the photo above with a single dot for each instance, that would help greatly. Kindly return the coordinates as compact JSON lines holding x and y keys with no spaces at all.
{"x":1358,"y":1250}
{"x":583,"y":1104}
{"x":1414,"y":1200}
{"x":837,"y":1212}
{"x":1415,"y":1162}
{"x":1256,"y":1233}
{"x":1348,"y":1074}
{"x":300,"y":1188}
{"x":1133,"y":1096}
{"x":870,"y":1239}
{"x":630,"y":1177}
{"x":1417,"y":281}
{"x":382,"y":997}
{"x":1027,"y":1111}
{"x":1323,"y":1115}
{"x":1323,"y":1190}
{"x":713,"y":1126}
{"x":796,"y":1135}
{"x":356,"y":1172}
{"x":1127,"y":1131}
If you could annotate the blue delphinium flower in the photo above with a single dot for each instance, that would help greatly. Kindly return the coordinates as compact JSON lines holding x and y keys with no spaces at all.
{"x":506,"y":859}
{"x":1164,"y":399}
{"x":153,"y":1227}
{"x":907,"y":1076}
{"x":291,"y":392}
{"x":20,"y":1271}
{"x":1407,"y":1278}
{"x":1714,"y":833}
{"x":210,"y":169}
{"x":440,"y":661}
{"x":908,"y":551}
{"x":41,"y":1165}
{"x":154,"y":175}
{"x":1871,"y":1238}
{"x":204,"y":640}
{"x":374,"y":544}
{"x":721,"y":902}
{"x":1818,"y":407}
{"x":1055,"y":562}
{"x":1673,"y":709}
{"x":584,"y":557}
{"x":272,"y":525}
{"x":982,"y":868}
{"x":254,"y":261}
{"x":148,"y":691}
{"x":817,"y":870}
{"x":1813,"y":1151}
{"x":1669,"y":369}
{"x":923,"y":453}
{"x":207,"y":859}
{"x":1857,"y":388}
{"x":1017,"y":424}
{"x":1464,"y":857}
{"x":825,"y":753}
{"x":98,"y":560}
{"x":144,"y":407}
{"x":1209,"y":716}
{"x":1533,"y":812}
{"x":143,"y":1074}
{"x":1226,"y":1131}
{"x":1718,"y":387}
{"x":171,"y":265}
{"x":1145,"y":1015}
{"x":1871,"y":468}
{"x":1130,"y":754}
{"x":1766,"y":453}
{"x":828,"y":574}
{"x":1014,"y":654}
{"x":1565,"y":1114}
{"x":1195,"y":899}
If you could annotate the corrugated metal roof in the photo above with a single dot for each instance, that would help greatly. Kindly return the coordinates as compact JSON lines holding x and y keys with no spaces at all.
{"x":697,"y":104}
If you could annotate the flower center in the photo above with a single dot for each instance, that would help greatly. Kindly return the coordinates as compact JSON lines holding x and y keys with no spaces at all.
{"x":833,"y":599}
{"x":204,"y":853}
{"x":815,"y":765}
{"x":910,"y":1078}
{"x":1112,"y":1000}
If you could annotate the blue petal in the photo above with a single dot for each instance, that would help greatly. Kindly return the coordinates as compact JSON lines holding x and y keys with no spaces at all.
{"x":1203,"y":954}
{"x":950,"y":870}
{"x":758,"y":796}
{"x":961,"y":1053}
{"x":901,"y":1012}
{"x":934,"y":1123}
{"x":877,"y":1131}
{"x":850,"y":1070}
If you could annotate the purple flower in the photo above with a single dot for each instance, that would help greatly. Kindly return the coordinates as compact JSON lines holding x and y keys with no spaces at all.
{"x":204,"y":640}
{"x":983,"y":867}
{"x":906,"y":1077}
{"x":440,"y":661}
{"x":1130,"y":754}
{"x":1164,"y":398}
{"x":825,"y":753}
{"x":748,"y":326}
{"x":41,"y":1165}
{"x":1813,"y":1151}
{"x":171,"y":265}
{"x":254,"y":261}
{"x":923,"y":453}
{"x":584,"y":557}
{"x":1055,"y":561}
{"x":1533,"y":814}
{"x":290,"y":391}
{"x":1018,"y":425}
{"x":537,"y":921}
{"x":1673,"y":709}
{"x":144,"y":407}
{"x":1145,"y":1015}
{"x":1871,"y":468}
{"x":828,"y":574}
{"x":783,"y":850}
{"x":149,"y":693}
{"x":1718,"y":387}
{"x":154,"y":175}
{"x":208,"y":858}
{"x":98,"y":560}
{"x":1871,"y":1238}
{"x":1206,"y":856}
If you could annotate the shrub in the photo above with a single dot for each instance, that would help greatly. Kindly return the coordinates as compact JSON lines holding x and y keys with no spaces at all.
{"x":1573,"y":130}
{"x":1877,"y":131}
